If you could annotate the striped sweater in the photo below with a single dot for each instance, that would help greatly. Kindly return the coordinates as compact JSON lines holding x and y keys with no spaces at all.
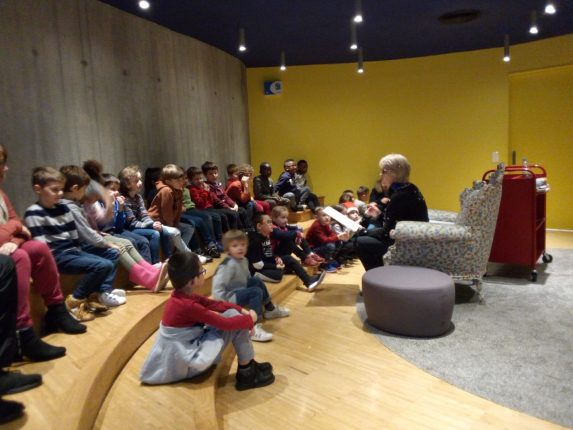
{"x":53,"y":226}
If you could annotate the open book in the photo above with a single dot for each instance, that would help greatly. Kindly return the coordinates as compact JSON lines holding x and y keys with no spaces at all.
{"x":353,"y":226}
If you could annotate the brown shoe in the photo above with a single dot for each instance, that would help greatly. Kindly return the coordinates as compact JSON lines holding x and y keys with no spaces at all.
{"x":78,"y":309}
{"x":94,"y":304}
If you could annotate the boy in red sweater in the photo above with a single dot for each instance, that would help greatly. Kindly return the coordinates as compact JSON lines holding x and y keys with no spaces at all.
{"x":201,"y":196}
{"x":323,"y":240}
{"x":195,"y":330}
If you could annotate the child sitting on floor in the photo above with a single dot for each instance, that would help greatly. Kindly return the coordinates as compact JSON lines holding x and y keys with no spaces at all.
{"x":267,"y":265}
{"x":288,"y":239}
{"x":234,"y":283}
{"x":324,"y":241}
{"x":194,"y":331}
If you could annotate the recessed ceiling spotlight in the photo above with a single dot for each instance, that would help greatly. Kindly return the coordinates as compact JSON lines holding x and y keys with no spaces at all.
{"x":358,"y":12}
{"x":550,"y":8}
{"x":533,"y":29}
{"x":360,"y":65}
{"x":144,"y":4}
{"x":242,"y":44}
{"x":283,"y":61}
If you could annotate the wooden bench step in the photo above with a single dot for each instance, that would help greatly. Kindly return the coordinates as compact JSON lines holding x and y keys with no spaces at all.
{"x":196,"y":396}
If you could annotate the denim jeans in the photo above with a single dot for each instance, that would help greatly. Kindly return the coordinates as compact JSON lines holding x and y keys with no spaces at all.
{"x":212,"y":223}
{"x":97,"y":264}
{"x":8,"y":310}
{"x":326,"y":250}
{"x":205,"y":229}
{"x":254,"y":295}
{"x":152,"y":237}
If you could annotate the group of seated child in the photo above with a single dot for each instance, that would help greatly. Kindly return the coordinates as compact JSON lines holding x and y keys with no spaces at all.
{"x":85,"y":222}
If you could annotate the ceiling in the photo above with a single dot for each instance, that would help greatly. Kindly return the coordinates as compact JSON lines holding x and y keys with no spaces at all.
{"x":318,"y":31}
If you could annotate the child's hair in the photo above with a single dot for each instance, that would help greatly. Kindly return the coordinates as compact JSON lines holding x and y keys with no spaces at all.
{"x":208,"y":166}
{"x":258,"y":218}
{"x":42,"y":176}
{"x":278,"y":211}
{"x":339,"y":208}
{"x":301,"y":162}
{"x":109,"y":179}
{"x":318,"y":210}
{"x":352,"y":209}
{"x":346,"y":197}
{"x":182,"y":267}
{"x":288,"y":160}
{"x":192,"y":172}
{"x":74,"y":175}
{"x":362,"y":190}
{"x":94,"y":169}
{"x":264,"y":164}
{"x":233,"y":235}
{"x":171,"y":171}
{"x":244,"y":170}
{"x":125,"y":176}
{"x":232,"y":169}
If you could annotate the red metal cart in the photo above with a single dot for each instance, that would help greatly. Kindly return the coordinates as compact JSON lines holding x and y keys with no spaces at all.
{"x":520,"y":231}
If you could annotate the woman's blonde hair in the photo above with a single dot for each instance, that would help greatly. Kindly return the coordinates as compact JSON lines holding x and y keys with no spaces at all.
{"x":397,"y":164}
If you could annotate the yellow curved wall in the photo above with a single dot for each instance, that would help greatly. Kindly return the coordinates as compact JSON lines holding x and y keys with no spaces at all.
{"x":446,"y":113}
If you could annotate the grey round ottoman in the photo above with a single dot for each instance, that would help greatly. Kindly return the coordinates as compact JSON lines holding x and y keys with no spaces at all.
{"x":411,"y":301}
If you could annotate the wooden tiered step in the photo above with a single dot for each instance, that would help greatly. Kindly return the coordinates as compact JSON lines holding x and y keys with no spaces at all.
{"x":196,"y":397}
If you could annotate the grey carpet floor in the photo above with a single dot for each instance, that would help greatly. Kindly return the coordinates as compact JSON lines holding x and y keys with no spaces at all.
{"x":516,"y":349}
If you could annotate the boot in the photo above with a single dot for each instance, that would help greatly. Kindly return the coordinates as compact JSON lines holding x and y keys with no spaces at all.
{"x":9,"y":411}
{"x":253,"y":376}
{"x":58,"y":318}
{"x":162,"y":268}
{"x":141,"y":275}
{"x":35,"y":349}
{"x":16,"y":382}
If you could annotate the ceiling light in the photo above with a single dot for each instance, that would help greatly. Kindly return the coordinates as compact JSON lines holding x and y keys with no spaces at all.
{"x":242,"y":44}
{"x":353,"y":38}
{"x":144,"y":4}
{"x":283,"y":62}
{"x":360,"y":66}
{"x":550,"y":8}
{"x":506,"y":56}
{"x":533,"y":29}
{"x":358,"y":11}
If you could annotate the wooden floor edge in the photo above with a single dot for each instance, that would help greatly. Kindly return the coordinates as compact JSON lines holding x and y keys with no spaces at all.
{"x":83,"y":402}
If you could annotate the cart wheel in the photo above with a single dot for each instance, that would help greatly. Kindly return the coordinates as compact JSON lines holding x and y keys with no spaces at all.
{"x":547,"y":258}
{"x":533,"y":276}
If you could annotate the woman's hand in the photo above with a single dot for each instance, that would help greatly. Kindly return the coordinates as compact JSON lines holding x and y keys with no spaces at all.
{"x":8,"y":248}
{"x":157,"y":226}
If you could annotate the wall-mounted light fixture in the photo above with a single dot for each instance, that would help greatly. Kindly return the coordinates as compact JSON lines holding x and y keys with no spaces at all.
{"x":358,"y":11}
{"x":506,"y":56}
{"x":353,"y":37}
{"x":144,"y":4}
{"x":533,"y":29}
{"x":360,"y":65}
{"x":242,"y":44}
{"x":283,"y":61}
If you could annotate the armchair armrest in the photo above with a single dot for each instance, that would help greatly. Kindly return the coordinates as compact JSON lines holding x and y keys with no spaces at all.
{"x":425,"y":231}
{"x":442,"y":216}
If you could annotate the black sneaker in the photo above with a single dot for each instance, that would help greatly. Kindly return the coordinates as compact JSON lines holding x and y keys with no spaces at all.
{"x":35,"y":349}
{"x":16,"y":382}
{"x":212,"y":251}
{"x":253,"y":377}
{"x":58,"y":318}
{"x":9,"y":411}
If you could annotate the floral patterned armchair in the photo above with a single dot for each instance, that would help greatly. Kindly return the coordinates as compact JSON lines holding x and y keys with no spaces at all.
{"x":459,"y":244}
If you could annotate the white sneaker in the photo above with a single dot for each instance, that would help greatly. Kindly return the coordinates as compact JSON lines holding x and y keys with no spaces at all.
{"x":118,"y":292}
{"x":316,"y":283}
{"x":277,"y":312}
{"x":260,"y":335}
{"x":202,"y":259}
{"x":111,"y":300}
